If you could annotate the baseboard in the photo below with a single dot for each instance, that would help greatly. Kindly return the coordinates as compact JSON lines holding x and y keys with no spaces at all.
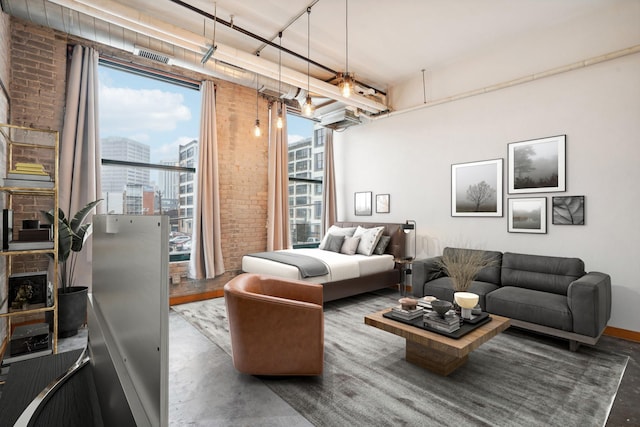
{"x":183,"y":299}
{"x":625,"y":334}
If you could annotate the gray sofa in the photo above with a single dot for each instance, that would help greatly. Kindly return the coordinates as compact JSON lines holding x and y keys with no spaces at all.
{"x":547,"y":294}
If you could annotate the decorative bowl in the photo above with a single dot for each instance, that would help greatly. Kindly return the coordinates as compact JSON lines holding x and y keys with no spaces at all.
{"x":441,"y":307}
{"x":466,"y":299}
{"x":429,"y":298}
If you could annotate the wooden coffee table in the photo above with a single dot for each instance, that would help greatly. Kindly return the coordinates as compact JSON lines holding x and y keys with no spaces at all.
{"x":433,"y":351}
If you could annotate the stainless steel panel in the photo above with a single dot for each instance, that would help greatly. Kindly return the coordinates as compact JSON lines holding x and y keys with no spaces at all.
{"x":131,"y":292}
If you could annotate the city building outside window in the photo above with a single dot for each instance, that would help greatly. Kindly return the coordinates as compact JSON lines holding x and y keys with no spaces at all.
{"x":306,"y":169}
{"x":149,"y":147}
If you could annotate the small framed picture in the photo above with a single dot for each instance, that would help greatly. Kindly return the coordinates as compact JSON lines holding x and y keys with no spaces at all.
{"x":537,"y":166}
{"x":362,"y":203}
{"x":27,"y":288}
{"x":568,"y":210}
{"x":528,"y":215}
{"x":382,"y":203}
{"x":476,"y":188}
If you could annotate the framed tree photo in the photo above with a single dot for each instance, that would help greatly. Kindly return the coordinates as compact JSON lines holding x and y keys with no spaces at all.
{"x":537,"y":166}
{"x":362,"y":203}
{"x":528,"y":215}
{"x":476,"y":188}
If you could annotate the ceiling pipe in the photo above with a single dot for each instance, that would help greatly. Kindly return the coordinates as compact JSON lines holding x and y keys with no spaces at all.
{"x":134,"y":20}
{"x":515,"y":82}
{"x":270,"y":43}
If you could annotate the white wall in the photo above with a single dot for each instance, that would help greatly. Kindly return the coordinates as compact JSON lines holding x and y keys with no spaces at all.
{"x":409,"y":156}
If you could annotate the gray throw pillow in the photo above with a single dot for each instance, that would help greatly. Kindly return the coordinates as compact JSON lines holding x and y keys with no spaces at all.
{"x":334,"y":229}
{"x":350,"y":245}
{"x":334,"y":243}
{"x":382,"y":245}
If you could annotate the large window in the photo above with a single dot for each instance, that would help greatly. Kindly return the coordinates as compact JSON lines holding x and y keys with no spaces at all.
{"x":149,"y":147}
{"x":306,"y":169}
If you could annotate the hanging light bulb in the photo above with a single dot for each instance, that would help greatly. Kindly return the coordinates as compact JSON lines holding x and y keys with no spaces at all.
{"x":308,"y":108}
{"x":256,"y":130}
{"x":346,"y":85}
{"x":346,"y":82}
{"x":279,"y":122}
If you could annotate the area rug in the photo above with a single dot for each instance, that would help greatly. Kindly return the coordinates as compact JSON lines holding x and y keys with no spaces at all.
{"x":515,"y":379}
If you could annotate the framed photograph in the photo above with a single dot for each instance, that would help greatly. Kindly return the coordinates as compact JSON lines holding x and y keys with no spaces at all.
{"x":528,"y":215}
{"x":537,"y":166}
{"x":362,"y":203}
{"x":382,"y":203}
{"x":476,"y":188}
{"x":27,"y":288}
{"x":568,"y":210}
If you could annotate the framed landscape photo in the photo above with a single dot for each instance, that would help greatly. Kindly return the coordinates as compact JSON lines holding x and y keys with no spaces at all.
{"x":476,"y":188}
{"x":537,"y":166}
{"x":528,"y":215}
{"x":382,"y":203}
{"x":568,"y":210}
{"x":362,"y":203}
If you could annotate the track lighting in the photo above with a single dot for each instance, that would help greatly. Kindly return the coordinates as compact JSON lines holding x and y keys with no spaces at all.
{"x":213,"y":47}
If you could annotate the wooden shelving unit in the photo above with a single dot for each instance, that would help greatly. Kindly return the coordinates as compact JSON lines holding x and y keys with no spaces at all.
{"x":30,"y":145}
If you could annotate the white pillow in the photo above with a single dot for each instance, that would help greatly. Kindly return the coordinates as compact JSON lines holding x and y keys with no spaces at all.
{"x":350,"y":245}
{"x":337,"y":231}
{"x":368,"y":239}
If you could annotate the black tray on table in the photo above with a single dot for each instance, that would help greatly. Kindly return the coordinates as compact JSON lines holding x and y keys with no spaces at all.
{"x":466,"y":327}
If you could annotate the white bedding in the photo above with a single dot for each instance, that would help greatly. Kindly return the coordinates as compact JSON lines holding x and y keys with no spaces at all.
{"x":340,"y":266}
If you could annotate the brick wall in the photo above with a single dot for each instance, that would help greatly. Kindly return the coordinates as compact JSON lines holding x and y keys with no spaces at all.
{"x":38,"y":76}
{"x":38,"y":70}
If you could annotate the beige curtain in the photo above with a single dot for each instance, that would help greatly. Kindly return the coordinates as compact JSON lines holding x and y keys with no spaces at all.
{"x":79,"y":177}
{"x":278,"y":185}
{"x":206,"y":249}
{"x":329,"y":211}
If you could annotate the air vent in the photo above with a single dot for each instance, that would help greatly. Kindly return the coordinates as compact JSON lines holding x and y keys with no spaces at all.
{"x":340,"y":119}
{"x":149,"y":54}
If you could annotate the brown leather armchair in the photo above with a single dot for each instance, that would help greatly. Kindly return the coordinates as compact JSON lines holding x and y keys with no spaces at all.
{"x":276,"y":325}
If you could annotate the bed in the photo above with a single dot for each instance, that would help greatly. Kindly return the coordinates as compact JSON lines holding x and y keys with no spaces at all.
{"x":345,"y":274}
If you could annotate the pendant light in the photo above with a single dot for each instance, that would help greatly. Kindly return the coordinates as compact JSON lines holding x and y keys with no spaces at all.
{"x":346,"y":79}
{"x":308,"y":108}
{"x":279,"y":122}
{"x":256,"y":130}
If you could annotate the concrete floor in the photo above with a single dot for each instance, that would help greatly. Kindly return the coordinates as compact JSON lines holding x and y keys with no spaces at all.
{"x":222,"y":397}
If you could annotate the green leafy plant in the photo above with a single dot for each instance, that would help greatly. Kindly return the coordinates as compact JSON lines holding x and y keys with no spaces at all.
{"x":72,"y":233}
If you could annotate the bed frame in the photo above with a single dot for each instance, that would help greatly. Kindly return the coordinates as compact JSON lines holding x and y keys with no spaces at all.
{"x":373,"y":282}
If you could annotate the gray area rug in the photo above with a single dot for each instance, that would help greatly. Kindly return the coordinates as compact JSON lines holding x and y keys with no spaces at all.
{"x":515,"y":379}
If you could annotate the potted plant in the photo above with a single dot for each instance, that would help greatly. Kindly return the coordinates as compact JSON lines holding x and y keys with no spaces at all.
{"x":72,"y":299}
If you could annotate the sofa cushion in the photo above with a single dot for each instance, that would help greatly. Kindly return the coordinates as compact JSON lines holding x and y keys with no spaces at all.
{"x":442,"y":288}
{"x":528,"y":305}
{"x":489,"y":274}
{"x":540,"y":273}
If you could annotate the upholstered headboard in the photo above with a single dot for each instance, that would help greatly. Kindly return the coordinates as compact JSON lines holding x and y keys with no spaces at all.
{"x":397,"y":244}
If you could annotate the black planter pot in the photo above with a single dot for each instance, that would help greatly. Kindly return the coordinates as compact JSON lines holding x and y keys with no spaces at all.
{"x":72,"y":310}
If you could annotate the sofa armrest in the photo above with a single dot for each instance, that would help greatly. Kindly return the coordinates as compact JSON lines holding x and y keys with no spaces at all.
{"x":589,"y":299}
{"x":425,"y":270}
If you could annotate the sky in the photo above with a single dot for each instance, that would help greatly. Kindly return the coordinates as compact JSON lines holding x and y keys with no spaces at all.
{"x":162,"y":115}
